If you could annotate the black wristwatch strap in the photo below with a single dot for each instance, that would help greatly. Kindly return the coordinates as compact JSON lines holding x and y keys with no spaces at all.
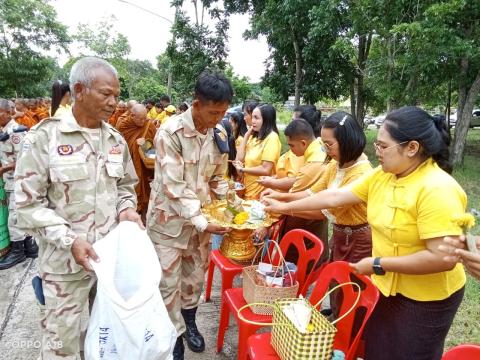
{"x":377,"y":267}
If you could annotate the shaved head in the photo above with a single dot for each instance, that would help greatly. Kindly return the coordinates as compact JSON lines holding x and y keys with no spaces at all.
{"x":130,"y":104}
{"x":139,"y":114}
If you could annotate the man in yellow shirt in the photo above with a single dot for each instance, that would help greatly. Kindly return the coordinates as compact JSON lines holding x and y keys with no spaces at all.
{"x":161,"y":113}
{"x":302,"y":142}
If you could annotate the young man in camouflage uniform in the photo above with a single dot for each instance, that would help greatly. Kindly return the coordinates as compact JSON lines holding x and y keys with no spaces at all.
{"x":10,"y":141}
{"x":188,"y":169}
{"x":74,"y":182}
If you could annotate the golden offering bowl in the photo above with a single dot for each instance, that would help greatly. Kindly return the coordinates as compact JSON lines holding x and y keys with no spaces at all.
{"x":237,"y":244}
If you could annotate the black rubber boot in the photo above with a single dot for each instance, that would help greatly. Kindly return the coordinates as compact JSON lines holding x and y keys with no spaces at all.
{"x":179,"y":349}
{"x":15,"y":256}
{"x":195,"y":341}
{"x":31,"y":247}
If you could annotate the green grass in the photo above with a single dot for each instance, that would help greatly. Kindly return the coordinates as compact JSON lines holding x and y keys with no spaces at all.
{"x":465,"y":327}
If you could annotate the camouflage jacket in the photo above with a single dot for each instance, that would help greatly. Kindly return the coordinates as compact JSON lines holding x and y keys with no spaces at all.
{"x":9,"y":149}
{"x":189,"y":169}
{"x":65,"y":188}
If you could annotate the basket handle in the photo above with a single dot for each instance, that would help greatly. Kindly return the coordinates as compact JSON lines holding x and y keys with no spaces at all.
{"x":240,"y":316}
{"x":282,"y":261}
{"x":337,"y":287}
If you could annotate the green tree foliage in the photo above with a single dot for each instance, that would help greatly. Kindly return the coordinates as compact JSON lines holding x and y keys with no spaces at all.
{"x":103,"y":41}
{"x":195,"y":47}
{"x":138,"y":78}
{"x":241,"y":87}
{"x":299,"y":63}
{"x":28,"y":28}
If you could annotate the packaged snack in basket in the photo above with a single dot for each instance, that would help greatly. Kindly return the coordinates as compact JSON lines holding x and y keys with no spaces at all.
{"x":289,"y":274}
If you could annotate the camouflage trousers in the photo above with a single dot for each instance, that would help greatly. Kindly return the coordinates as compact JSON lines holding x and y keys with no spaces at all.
{"x":183,"y":276}
{"x":62,"y":324}
{"x":15,"y":233}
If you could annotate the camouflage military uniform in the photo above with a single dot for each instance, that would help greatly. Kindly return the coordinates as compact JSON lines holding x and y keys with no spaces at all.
{"x":67,"y":185}
{"x":188,"y":169}
{"x":9,"y":149}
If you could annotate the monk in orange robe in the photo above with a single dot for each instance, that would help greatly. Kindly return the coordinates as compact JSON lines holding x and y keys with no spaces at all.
{"x":126,"y":114}
{"x":136,"y":128}
{"x":23,"y":116}
{"x":119,"y":111}
{"x":42,"y":110}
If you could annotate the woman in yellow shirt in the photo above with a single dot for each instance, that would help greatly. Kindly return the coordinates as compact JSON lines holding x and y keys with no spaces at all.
{"x":344,"y":142}
{"x":411,"y":203}
{"x":239,"y":128}
{"x":259,"y":150}
{"x":248,"y":107}
{"x":60,"y":98}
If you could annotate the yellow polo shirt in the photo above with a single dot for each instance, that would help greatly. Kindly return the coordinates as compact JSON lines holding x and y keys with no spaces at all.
{"x":313,"y":168}
{"x":161,"y":116}
{"x":152,"y":113}
{"x":238,"y":142}
{"x":256,"y":152}
{"x":288,"y":165}
{"x":405,"y":212}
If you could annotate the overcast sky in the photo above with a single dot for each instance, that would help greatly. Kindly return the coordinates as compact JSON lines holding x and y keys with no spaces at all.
{"x":148,"y":34}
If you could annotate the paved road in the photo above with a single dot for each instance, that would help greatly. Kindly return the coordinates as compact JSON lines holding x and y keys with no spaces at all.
{"x":20,"y":333}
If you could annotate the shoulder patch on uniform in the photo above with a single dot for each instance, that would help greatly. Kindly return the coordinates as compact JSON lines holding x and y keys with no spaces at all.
{"x":16,"y":139}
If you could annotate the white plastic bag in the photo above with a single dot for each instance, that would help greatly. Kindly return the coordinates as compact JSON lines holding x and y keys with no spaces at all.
{"x":129,"y":319}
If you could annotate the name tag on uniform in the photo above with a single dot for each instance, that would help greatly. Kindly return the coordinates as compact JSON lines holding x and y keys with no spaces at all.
{"x":115,"y":158}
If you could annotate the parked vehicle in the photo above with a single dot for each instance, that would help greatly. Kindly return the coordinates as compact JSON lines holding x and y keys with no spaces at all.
{"x":474,"y":122}
{"x":378,"y":120}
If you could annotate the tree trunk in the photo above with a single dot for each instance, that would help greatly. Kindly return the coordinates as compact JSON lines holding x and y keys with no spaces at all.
{"x":363,"y":50}
{"x":463,"y":119}
{"x":298,"y":68}
{"x":390,"y":68}
{"x":353,"y":98}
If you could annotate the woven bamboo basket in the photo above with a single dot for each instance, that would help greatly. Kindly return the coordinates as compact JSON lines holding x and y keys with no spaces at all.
{"x":254,"y":293}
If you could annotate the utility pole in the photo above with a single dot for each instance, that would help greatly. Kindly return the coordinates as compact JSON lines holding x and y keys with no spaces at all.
{"x":170,"y":75}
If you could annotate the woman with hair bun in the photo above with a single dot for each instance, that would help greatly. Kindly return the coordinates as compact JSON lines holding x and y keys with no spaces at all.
{"x":412,"y":201}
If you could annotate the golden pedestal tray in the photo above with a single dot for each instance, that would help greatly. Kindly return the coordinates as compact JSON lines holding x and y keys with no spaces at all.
{"x":237,"y":244}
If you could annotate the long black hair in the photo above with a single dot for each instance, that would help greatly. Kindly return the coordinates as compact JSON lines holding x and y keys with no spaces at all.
{"x":269,"y":121}
{"x":350,"y":137}
{"x":59,"y":89}
{"x":239,"y":120}
{"x":312,"y":115}
{"x":411,"y":123}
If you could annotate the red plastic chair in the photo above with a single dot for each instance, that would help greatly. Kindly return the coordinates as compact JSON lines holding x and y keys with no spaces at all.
{"x":345,"y":340}
{"x":232,"y":299}
{"x":463,"y":352}
{"x":229,"y":269}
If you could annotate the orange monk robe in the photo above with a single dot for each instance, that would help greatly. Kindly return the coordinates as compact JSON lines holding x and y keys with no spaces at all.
{"x":112,"y":120}
{"x":126,"y":115}
{"x":41,"y":113}
{"x":132,"y":133}
{"x":26,"y":120}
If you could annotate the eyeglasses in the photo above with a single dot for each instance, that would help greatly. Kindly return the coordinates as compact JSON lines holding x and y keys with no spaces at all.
{"x":381,"y":148}
{"x":328,"y":147}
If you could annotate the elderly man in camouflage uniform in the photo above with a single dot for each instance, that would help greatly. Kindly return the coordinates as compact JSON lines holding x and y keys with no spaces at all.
{"x":73,"y":183}
{"x":10,"y":141}
{"x":188,"y":169}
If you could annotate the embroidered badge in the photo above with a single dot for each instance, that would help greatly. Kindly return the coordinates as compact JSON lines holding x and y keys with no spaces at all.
{"x":16,"y":139}
{"x":115,"y":150}
{"x":222,"y":136}
{"x":65,"y":149}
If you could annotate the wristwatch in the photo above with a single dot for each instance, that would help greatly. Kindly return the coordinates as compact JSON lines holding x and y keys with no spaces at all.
{"x":377,"y":267}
